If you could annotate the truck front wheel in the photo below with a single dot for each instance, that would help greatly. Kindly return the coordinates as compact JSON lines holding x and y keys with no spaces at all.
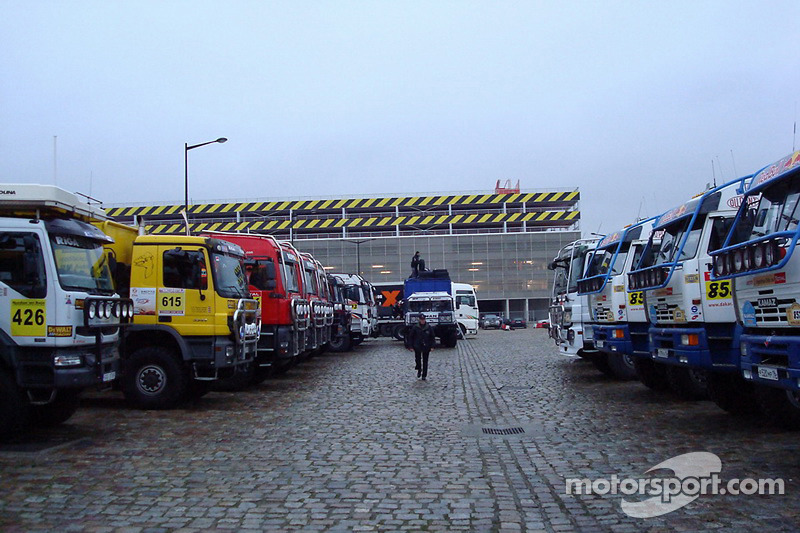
{"x":340,"y":343}
{"x":688,"y":383}
{"x":450,"y":339}
{"x":56,"y":412}
{"x":780,"y":407}
{"x":399,"y":332}
{"x":153,"y":379}
{"x":13,"y":407}
{"x":732,"y":393}
{"x":653,"y":375}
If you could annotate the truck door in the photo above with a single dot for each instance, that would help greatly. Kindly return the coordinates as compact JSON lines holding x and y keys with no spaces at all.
{"x":185,"y":298}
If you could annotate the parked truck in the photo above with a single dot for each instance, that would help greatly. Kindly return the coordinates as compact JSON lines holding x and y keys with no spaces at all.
{"x":430,"y":294}
{"x":693,"y":330}
{"x":363,"y":308}
{"x":342,"y":318}
{"x":194,"y":321}
{"x":618,"y":319}
{"x":759,"y":263}
{"x":61,"y":315}
{"x":569,"y":312}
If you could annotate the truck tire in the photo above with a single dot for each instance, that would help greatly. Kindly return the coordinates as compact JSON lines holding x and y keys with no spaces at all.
{"x":780,"y":407}
{"x":688,"y":383}
{"x":732,"y":393}
{"x":600,"y":362}
{"x":154,"y":379}
{"x":399,"y":332}
{"x":652,"y":375}
{"x":450,"y":339}
{"x":56,"y":412}
{"x":621,"y":366}
{"x":462,"y":331}
{"x":357,"y":339}
{"x":14,"y":407}
{"x":341,"y":343}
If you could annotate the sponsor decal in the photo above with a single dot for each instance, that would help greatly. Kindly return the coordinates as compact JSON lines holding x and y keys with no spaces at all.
{"x":144,"y":300}
{"x":776,"y":169}
{"x":768,"y":302}
{"x":59,"y":331}
{"x":748,"y":314}
{"x":619,"y":288}
{"x":793,"y":314}
{"x":692,"y":278}
{"x":679,"y":315}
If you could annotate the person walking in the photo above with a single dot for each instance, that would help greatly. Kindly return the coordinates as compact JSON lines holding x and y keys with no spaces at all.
{"x":421,"y":338}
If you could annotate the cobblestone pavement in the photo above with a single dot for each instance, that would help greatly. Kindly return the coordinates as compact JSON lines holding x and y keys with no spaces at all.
{"x":353,"y":442}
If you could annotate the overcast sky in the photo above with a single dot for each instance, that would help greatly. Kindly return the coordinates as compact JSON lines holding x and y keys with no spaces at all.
{"x":628,"y":101}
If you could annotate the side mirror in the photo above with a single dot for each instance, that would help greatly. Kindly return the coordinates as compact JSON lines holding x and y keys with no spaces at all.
{"x":761,"y":218}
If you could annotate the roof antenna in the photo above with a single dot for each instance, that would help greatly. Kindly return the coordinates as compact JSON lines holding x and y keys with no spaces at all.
{"x":721,"y":174}
{"x":714,"y":173}
{"x":794,"y":133}
{"x":735,"y":174}
{"x":639,"y":214}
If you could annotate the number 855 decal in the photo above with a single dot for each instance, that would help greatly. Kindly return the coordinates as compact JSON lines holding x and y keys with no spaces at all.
{"x":718,"y":290}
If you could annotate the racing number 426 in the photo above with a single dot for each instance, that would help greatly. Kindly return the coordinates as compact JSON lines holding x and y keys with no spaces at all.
{"x":28,"y":317}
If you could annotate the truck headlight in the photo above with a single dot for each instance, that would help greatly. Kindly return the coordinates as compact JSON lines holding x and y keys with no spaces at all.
{"x":92,"y":311}
{"x":567,"y":317}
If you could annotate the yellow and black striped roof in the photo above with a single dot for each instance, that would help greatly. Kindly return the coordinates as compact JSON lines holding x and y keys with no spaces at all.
{"x":560,"y":218}
{"x":484,"y":200}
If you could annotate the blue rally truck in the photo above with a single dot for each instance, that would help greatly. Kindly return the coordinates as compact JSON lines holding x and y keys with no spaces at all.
{"x":430,"y":294}
{"x":618,"y":319}
{"x":758,"y":257}
{"x":693,"y":331}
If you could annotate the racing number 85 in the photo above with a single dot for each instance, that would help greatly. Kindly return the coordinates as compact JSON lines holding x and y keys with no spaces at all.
{"x":717,"y":290}
{"x":636,"y":298}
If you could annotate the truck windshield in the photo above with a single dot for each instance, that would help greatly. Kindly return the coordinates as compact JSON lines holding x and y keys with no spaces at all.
{"x":671,"y":239}
{"x":81,"y":264}
{"x":467,"y":300}
{"x":602,"y":260}
{"x":229,"y":276}
{"x":777,"y":210}
{"x":353,"y":292}
{"x":430,"y":306}
{"x":290,"y":276}
{"x":310,"y":282}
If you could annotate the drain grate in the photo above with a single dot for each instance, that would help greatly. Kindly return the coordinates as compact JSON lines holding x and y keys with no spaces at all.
{"x":503,"y":431}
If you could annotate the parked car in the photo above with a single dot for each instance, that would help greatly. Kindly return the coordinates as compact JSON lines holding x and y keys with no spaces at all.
{"x":492,"y":321}
{"x":519,"y":323}
{"x":543,"y":324}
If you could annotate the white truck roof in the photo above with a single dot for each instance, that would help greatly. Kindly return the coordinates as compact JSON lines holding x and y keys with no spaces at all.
{"x":24,"y":199}
{"x":438,"y":295}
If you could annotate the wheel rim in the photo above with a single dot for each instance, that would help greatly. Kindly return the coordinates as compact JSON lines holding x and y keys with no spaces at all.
{"x":628,"y":360}
{"x":151,"y":380}
{"x":794,"y":398}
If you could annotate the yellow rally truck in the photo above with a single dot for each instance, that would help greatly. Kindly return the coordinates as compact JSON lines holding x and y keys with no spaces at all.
{"x":60,"y":315}
{"x":194,"y":321}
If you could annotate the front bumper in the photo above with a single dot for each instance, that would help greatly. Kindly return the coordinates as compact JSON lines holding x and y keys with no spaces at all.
{"x":771,"y":360}
{"x":717,"y":347}
{"x":37,"y":368}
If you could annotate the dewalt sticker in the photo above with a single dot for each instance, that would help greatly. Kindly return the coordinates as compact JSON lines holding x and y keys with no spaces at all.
{"x":59,"y":331}
{"x":171,"y":302}
{"x":718,"y":290}
{"x":28,"y":318}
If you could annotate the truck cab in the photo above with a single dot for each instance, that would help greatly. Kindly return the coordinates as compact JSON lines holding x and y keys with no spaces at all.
{"x":62,"y":317}
{"x":194,"y":321}
{"x":759,"y":260}
{"x":340,"y":334}
{"x":359,"y":292}
{"x":321,"y":311}
{"x":430,"y":294}
{"x":618,"y":320}
{"x":692,"y":318}
{"x":569,"y":312}
{"x":467,"y":311}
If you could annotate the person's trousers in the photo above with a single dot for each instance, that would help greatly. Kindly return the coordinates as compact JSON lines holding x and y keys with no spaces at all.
{"x":421,"y":357}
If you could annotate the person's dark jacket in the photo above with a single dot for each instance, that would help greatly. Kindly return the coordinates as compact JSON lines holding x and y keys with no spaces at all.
{"x":420,"y":337}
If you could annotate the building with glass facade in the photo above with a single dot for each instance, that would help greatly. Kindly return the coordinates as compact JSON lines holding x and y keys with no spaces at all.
{"x":500,"y":243}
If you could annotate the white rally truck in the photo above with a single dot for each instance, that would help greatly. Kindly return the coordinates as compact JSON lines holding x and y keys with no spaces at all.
{"x":693,"y":333}
{"x":758,"y":257}
{"x":569,"y":312}
{"x":60,"y":314}
{"x":619,"y":322}
{"x":363,"y":308}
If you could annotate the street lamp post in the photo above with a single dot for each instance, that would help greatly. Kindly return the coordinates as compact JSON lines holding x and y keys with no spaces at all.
{"x":186,"y":149}
{"x":358,"y":251}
